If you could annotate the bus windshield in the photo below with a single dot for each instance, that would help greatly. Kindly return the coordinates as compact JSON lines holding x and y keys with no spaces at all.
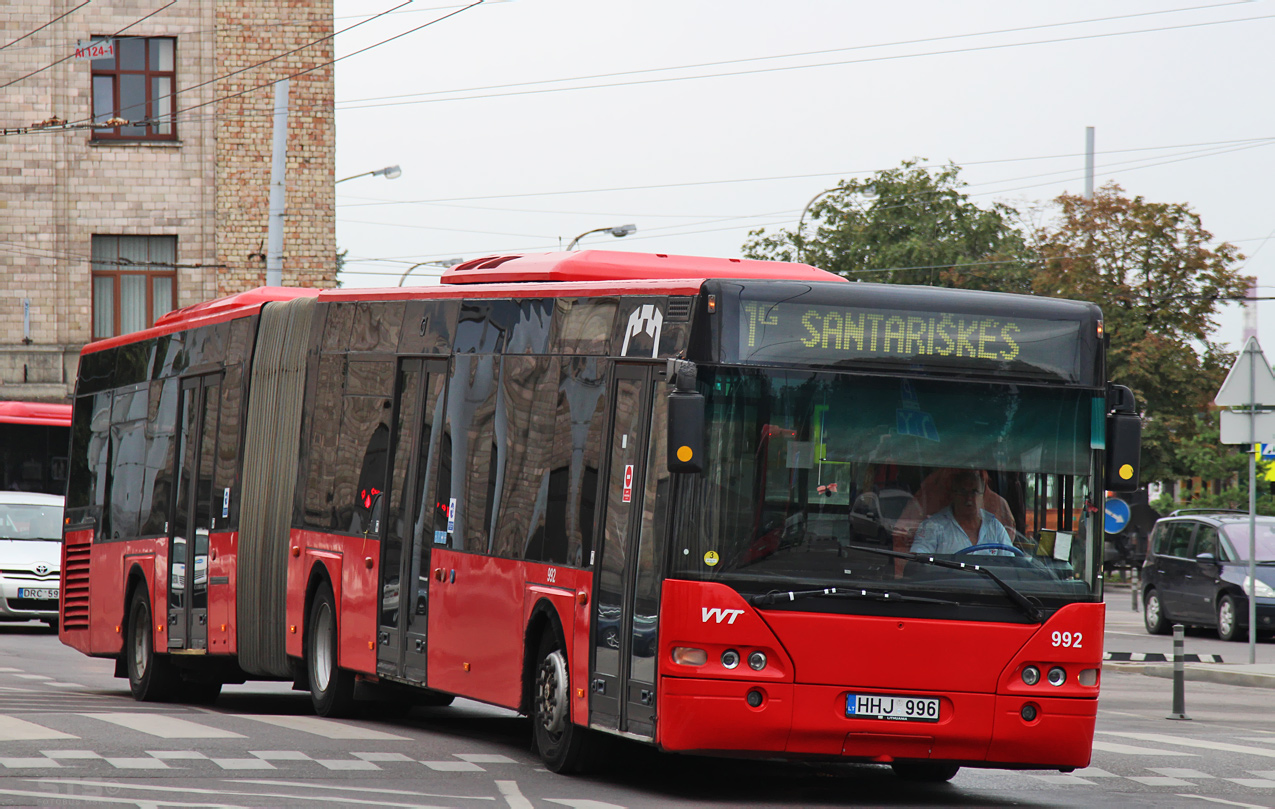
{"x":830,"y":480}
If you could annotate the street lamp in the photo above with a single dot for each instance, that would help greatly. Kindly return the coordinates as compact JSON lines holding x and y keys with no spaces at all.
{"x":389,"y":173}
{"x":619,"y":232}
{"x":446,"y":263}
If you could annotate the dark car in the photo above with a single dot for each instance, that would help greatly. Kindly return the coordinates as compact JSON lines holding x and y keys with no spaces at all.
{"x":1196,"y":573}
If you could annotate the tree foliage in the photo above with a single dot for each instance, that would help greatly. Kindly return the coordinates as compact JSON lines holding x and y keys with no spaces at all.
{"x":907,"y":225}
{"x":1160,"y":285}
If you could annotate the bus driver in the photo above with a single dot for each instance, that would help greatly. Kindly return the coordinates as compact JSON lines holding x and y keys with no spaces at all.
{"x":962,"y":523}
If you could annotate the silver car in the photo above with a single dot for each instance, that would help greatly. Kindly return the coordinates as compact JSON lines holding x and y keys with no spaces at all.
{"x":30,"y":556}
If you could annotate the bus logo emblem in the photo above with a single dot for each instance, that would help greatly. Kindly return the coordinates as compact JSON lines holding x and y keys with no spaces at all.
{"x":645,"y":318}
{"x":720,"y":614}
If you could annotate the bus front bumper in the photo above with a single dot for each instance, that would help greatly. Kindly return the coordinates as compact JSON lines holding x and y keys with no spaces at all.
{"x":809,"y":721}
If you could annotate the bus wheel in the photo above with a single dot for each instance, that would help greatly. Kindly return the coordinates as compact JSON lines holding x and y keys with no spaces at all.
{"x":930,"y":772}
{"x":331,"y":687}
{"x":150,"y":676}
{"x":559,"y":741}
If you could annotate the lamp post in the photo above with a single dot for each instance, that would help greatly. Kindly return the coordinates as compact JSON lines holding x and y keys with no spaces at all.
{"x":389,"y":173}
{"x":801,"y":223}
{"x":619,"y":232}
{"x":446,"y":263}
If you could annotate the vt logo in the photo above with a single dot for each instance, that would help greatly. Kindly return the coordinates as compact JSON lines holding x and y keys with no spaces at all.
{"x":646,"y":319}
{"x":719,"y":614}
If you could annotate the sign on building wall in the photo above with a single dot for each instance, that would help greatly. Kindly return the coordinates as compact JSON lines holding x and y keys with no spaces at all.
{"x":95,"y":49}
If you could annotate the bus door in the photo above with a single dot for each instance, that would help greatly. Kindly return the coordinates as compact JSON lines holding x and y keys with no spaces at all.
{"x":195,"y":513}
{"x":407,"y":526}
{"x":626,"y":586}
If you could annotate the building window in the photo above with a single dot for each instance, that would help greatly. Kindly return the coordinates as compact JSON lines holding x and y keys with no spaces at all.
{"x":136,"y":85}
{"x":134,"y":282}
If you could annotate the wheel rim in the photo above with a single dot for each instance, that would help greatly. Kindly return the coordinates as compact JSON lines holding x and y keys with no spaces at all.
{"x":141,"y":644}
{"x":1153,"y":610}
{"x":551,"y":693}
{"x":323,"y":646}
{"x":1226,"y":617}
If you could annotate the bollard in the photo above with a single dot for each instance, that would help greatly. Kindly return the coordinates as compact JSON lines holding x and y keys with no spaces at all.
{"x":1179,"y":674}
{"x":1133,"y":589}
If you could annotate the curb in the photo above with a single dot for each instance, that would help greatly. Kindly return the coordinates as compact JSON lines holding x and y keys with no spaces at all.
{"x":1204,"y":673}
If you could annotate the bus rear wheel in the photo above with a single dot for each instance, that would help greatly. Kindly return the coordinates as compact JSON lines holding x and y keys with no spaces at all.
{"x":331,"y":687}
{"x":559,"y":741}
{"x":151,"y":677}
{"x":930,"y":772}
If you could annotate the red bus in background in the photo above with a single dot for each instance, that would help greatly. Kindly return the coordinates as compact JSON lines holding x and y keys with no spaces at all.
{"x":34,"y":437}
{"x":627,"y":495}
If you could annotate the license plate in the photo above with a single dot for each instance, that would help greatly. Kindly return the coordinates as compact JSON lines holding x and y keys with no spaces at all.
{"x":886,"y":706}
{"x":38,"y":593}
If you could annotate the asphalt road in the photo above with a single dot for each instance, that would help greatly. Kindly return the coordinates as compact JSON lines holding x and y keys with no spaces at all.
{"x":70,"y":735}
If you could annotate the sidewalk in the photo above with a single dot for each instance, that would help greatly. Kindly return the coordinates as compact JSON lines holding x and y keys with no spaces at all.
{"x":1259,"y":675}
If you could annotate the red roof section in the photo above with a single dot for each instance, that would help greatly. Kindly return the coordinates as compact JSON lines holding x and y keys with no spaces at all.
{"x":609,"y":265}
{"x":51,"y":415}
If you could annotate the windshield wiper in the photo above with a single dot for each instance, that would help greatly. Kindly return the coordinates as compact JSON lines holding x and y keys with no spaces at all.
{"x":1021,"y":601}
{"x":775,"y":596}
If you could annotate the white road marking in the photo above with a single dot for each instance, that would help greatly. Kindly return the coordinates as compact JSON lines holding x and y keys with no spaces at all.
{"x":1184,"y":742}
{"x":243,"y":764}
{"x":165,"y":727}
{"x":382,"y":756}
{"x":1224,"y":802}
{"x":312,"y":785}
{"x":1096,"y":772}
{"x":137,"y":763}
{"x":584,"y":804}
{"x":346,"y":764}
{"x":327,"y":728}
{"x":280,"y":755}
{"x":67,"y":796}
{"x":177,"y":755}
{"x":33,"y":676}
{"x":1255,"y":783}
{"x":1063,"y":780}
{"x":453,"y":766}
{"x":71,"y":754}
{"x":1159,"y":781}
{"x":1179,"y":772}
{"x":13,"y":729}
{"x":513,"y":795}
{"x":23,"y":763}
{"x":125,"y":787}
{"x":483,"y":758}
{"x":1132,"y":750}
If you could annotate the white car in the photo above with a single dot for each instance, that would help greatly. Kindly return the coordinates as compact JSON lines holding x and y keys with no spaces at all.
{"x":30,"y":556}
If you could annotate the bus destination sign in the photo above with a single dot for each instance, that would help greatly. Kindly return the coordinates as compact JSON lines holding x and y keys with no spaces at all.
{"x":801,"y":332}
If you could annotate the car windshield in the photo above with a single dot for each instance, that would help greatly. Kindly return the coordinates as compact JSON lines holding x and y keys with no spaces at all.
{"x":30,"y":521}
{"x":1237,"y":536}
{"x":825,"y":479}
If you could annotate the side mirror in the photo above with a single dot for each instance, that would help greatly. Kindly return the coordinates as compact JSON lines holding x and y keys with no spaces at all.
{"x":685,"y":419}
{"x":1124,"y":440}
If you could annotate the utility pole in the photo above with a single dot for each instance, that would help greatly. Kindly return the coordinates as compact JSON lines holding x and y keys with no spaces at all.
{"x":1089,"y":162}
{"x":278,"y":172}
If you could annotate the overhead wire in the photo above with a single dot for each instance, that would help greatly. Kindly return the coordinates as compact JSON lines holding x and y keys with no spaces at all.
{"x":46,"y":25}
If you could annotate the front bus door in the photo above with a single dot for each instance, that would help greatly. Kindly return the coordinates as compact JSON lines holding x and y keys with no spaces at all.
{"x":195,"y":515}
{"x":407,"y":531}
{"x":627,"y":576}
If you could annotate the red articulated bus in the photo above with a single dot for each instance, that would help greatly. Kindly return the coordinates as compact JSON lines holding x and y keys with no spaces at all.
{"x":660,"y":497}
{"x":34,"y":437}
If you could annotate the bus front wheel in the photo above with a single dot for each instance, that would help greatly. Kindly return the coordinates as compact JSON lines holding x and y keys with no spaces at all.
{"x":151,"y":677}
{"x":560,"y":742}
{"x":331,"y":687}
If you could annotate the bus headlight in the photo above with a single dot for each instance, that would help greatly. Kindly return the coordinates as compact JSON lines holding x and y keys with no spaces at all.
{"x":730,"y":658}
{"x":1057,"y":676}
{"x":1031,"y":675}
{"x":757,"y":661}
{"x":687,"y":656}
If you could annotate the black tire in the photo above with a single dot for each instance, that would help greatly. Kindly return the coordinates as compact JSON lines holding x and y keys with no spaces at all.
{"x":331,"y":687}
{"x":1153,"y":616}
{"x":151,"y":677}
{"x":559,"y":741}
{"x":1228,"y":620}
{"x":929,"y":772}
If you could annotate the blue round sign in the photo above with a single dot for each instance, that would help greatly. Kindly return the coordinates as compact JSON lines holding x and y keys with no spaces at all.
{"x":1116,"y":515}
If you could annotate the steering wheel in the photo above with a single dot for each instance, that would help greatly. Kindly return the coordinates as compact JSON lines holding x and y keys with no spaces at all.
{"x":992,"y":546}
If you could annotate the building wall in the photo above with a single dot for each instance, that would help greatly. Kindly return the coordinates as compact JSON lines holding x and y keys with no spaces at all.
{"x":209,"y":188}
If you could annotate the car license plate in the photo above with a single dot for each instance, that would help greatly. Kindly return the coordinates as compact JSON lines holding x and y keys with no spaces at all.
{"x":887,"y":706}
{"x":39,"y":593}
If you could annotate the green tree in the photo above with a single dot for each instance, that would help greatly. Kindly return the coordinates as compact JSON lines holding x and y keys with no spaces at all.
{"x":1161,"y":285}
{"x":907,"y":225}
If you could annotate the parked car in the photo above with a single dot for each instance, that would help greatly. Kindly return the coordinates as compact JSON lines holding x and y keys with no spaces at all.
{"x":1196,"y":573}
{"x":30,"y":556}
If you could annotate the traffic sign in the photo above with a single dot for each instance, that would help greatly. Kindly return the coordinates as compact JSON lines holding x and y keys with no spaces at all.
{"x":1268,"y":452}
{"x":1250,"y":380}
{"x":1116,"y":513}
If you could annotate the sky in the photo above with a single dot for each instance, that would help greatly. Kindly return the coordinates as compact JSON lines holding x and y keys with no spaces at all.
{"x":521,"y":124}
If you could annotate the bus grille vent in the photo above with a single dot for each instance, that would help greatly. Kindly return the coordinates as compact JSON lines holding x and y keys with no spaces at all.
{"x":75,"y":597}
{"x":679,"y":309}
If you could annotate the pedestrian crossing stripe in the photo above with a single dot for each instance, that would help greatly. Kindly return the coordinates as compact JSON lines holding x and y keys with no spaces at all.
{"x":1158,"y":657}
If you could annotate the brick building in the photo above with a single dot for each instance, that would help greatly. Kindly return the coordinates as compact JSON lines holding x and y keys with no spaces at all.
{"x":105,"y":227}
